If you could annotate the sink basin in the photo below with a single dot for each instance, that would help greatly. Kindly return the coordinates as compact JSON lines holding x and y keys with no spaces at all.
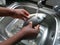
{"x":48,"y":27}
{"x":1,"y":18}
{"x":2,"y":38}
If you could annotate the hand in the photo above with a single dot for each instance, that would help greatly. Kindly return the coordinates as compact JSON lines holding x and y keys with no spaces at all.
{"x":29,"y":32}
{"x":21,"y":13}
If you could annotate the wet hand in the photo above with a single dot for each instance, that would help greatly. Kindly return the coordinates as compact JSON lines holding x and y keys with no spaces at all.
{"x":29,"y":32}
{"x":21,"y":13}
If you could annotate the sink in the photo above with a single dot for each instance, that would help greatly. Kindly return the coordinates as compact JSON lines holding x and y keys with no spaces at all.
{"x":2,"y":38}
{"x":49,"y":28}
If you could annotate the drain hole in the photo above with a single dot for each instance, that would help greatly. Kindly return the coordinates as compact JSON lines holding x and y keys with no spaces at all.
{"x":52,"y":35}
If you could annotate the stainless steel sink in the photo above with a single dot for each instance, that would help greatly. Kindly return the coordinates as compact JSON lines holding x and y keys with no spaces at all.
{"x":4,"y":21}
{"x":49,"y":27}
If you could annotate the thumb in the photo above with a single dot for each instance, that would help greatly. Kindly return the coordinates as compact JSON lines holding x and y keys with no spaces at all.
{"x":30,"y":24}
{"x":37,"y":27}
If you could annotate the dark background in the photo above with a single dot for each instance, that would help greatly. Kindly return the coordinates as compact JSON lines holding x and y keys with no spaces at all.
{"x":11,"y":1}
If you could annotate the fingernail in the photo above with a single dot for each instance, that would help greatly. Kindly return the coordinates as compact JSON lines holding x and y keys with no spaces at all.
{"x":28,"y":16}
{"x":31,"y":22}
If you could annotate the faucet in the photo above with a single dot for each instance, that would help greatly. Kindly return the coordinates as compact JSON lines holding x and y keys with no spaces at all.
{"x":40,"y":3}
{"x":57,"y":9}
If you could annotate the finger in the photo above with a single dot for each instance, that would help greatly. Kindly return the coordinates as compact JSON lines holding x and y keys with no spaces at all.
{"x":30,"y":24}
{"x":37,"y":27}
{"x":24,"y":19}
{"x":24,"y":15}
{"x":27,"y":13}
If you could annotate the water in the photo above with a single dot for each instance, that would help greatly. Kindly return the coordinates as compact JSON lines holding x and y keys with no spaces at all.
{"x":37,"y":9}
{"x":39,"y":5}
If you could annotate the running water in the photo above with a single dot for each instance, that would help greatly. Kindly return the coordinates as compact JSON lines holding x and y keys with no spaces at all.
{"x":38,"y":7}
